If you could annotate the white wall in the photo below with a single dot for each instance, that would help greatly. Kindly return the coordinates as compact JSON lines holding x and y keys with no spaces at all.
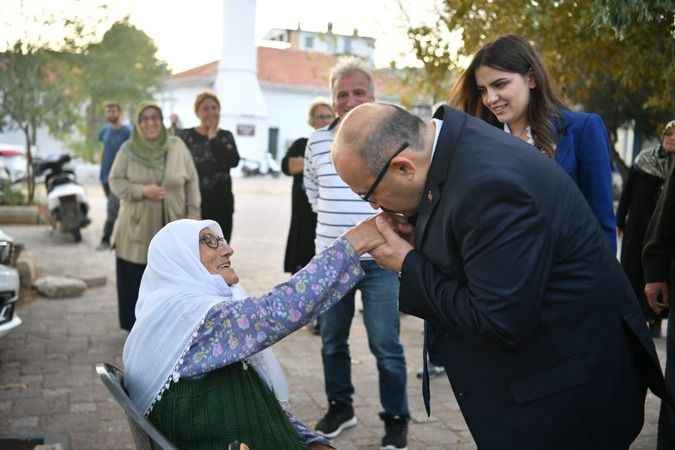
{"x":181,"y":101}
{"x":288,"y":111}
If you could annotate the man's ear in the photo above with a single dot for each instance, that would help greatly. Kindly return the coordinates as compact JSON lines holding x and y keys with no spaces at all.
{"x":404,"y":166}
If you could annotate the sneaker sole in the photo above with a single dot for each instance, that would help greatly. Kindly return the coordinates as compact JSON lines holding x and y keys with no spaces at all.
{"x":391,"y":447}
{"x":351,"y":423}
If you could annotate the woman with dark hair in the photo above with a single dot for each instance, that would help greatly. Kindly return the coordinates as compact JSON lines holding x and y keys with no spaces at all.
{"x":215,"y":153}
{"x":638,"y":201}
{"x":507,"y":85}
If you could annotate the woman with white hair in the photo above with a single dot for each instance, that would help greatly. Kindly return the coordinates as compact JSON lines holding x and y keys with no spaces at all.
{"x":195,"y":361}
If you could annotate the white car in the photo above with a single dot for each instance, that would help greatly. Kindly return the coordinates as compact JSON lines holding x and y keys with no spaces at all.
{"x":9,"y":286}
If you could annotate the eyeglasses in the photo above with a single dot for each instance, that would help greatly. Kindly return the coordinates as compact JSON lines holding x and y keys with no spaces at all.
{"x":152,"y":118}
{"x":382,"y":173}
{"x":212,"y":241}
{"x":323,"y":117}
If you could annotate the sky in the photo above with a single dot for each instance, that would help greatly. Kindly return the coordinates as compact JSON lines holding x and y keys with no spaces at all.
{"x":188,"y":34}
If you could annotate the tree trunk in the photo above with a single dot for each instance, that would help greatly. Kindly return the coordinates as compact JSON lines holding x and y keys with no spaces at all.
{"x":30,"y":178}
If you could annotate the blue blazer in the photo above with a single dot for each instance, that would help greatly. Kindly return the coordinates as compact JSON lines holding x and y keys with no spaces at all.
{"x":583,"y":152}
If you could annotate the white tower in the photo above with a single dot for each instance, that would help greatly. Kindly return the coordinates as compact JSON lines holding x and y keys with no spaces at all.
{"x":243,"y":109}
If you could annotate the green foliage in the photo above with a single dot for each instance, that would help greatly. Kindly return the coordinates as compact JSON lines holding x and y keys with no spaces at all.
{"x":36,"y":90}
{"x":622,"y":14}
{"x":123,"y":66}
{"x":439,"y":67}
{"x":612,"y":56}
{"x":11,"y":196}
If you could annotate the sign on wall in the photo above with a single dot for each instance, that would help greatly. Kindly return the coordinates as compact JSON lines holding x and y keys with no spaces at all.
{"x":245,"y":130}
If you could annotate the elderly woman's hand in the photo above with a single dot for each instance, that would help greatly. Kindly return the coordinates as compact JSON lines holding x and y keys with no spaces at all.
{"x":364,"y":236}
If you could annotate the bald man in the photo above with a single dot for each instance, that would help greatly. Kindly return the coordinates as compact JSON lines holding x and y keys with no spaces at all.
{"x":524,"y":303}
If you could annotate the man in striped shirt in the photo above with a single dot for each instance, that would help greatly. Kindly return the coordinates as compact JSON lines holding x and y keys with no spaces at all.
{"x":338,"y":209}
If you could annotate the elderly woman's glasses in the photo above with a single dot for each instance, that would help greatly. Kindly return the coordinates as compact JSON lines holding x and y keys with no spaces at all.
{"x":212,"y":241}
{"x":382,"y":173}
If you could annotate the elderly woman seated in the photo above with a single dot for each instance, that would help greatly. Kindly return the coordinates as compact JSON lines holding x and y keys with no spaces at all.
{"x":195,"y":361}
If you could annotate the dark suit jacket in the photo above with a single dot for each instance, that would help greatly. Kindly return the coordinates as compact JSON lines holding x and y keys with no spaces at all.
{"x":527,"y":308}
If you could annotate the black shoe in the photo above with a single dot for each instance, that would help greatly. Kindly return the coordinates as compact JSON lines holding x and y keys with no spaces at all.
{"x":339,"y":417}
{"x":395,"y":433}
{"x":104,"y":245}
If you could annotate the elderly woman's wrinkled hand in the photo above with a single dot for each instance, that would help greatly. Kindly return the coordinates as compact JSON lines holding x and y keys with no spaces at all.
{"x":364,"y":236}
{"x":392,"y":253}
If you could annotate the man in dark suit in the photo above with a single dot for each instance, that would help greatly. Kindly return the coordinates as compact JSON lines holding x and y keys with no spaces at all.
{"x":524,"y":304}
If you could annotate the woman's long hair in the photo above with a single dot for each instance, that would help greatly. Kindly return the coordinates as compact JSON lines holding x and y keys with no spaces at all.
{"x":512,"y":53}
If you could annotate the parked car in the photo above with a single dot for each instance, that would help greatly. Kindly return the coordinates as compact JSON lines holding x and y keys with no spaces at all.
{"x":9,"y":285}
{"x":14,"y":161}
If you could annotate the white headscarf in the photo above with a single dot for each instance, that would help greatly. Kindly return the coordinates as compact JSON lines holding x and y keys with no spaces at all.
{"x":175,"y":295}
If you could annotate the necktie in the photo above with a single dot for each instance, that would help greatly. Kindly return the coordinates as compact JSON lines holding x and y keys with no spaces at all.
{"x":426,"y":393}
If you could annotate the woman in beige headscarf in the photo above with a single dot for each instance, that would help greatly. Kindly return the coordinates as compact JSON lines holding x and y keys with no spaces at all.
{"x":156,"y":181}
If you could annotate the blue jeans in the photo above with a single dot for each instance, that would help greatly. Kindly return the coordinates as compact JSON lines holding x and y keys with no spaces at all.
{"x":379,"y":292}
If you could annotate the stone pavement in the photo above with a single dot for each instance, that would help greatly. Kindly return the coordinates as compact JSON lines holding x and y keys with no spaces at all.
{"x":48,"y":384}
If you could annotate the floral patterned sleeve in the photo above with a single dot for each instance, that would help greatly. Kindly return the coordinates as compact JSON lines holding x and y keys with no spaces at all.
{"x":235,"y":330}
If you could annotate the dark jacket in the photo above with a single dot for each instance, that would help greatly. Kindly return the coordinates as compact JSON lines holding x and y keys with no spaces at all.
{"x":638,"y":201}
{"x":659,"y":250}
{"x":302,"y":232}
{"x":583,"y":152}
{"x":526,"y":306}
{"x":658,"y":259}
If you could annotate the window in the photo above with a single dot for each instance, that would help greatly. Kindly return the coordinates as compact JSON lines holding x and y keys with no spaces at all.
{"x":309,"y":41}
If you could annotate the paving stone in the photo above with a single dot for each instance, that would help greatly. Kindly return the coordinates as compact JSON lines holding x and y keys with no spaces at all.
{"x":82,"y":407}
{"x":5,"y":406}
{"x":23,"y":423}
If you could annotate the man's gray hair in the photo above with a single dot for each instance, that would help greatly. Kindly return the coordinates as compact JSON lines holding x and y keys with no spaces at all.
{"x":348,"y":65}
{"x":387,"y":136}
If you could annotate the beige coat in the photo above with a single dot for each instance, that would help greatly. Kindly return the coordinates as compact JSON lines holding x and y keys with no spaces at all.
{"x":139,"y":217}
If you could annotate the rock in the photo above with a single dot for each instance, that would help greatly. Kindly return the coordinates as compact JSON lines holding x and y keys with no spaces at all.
{"x":19,"y":215}
{"x":27,"y":269}
{"x":48,"y":447}
{"x":93,"y":281}
{"x":60,"y":287}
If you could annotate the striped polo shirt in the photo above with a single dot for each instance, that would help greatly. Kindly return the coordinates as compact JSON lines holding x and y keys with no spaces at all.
{"x":337,"y":207}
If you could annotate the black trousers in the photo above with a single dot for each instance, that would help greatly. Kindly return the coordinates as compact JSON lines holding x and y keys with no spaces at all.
{"x":128,"y":283}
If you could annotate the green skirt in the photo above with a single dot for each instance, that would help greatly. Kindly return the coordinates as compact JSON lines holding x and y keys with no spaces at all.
{"x":228,"y":404}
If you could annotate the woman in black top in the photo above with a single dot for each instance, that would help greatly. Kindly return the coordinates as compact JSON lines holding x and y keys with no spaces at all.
{"x":300,"y":243}
{"x":215,"y":153}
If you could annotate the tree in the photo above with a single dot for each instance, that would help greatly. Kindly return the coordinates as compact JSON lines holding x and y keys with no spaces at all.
{"x":36,"y":90}
{"x":123,"y":66}
{"x":622,"y":14}
{"x":613,"y":55}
